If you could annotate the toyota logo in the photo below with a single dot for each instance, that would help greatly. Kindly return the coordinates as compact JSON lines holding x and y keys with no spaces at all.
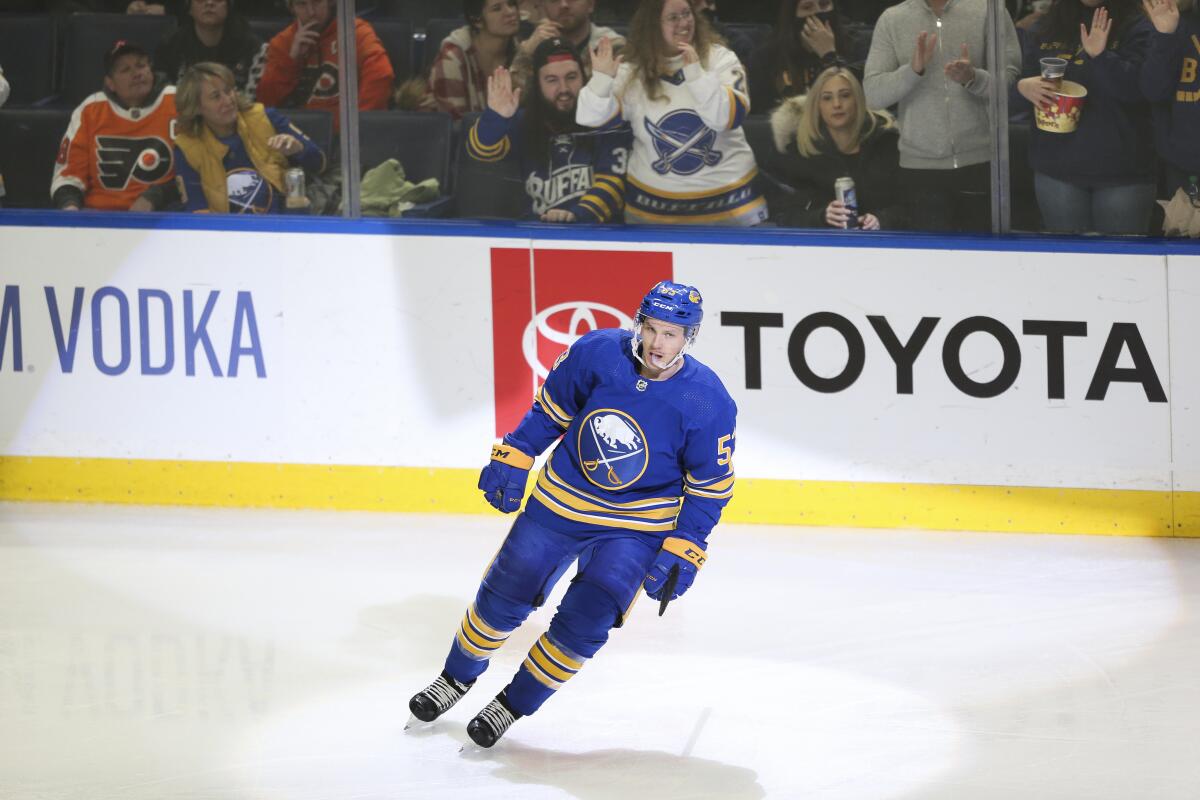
{"x":583,"y":316}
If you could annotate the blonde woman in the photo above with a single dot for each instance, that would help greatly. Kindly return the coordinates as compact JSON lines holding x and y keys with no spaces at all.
{"x":829,"y":134}
{"x":231,"y":155}
{"x":685,"y":95}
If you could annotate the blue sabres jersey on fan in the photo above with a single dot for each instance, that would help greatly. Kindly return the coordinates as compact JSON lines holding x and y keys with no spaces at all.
{"x":651,"y":456}
{"x":249,"y":192}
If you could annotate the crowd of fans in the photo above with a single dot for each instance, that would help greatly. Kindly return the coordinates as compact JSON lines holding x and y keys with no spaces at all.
{"x":644,"y":121}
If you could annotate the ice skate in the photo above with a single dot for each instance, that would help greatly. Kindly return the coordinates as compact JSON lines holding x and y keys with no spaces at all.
{"x":490,"y":724}
{"x":437,"y":698}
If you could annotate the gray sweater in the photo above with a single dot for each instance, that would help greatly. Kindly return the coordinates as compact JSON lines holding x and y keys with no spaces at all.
{"x":943,"y":125}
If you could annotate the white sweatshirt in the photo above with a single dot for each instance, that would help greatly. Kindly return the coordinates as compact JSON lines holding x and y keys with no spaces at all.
{"x":691,"y":163}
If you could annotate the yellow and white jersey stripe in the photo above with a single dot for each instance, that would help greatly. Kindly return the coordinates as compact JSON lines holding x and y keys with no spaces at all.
{"x":655,"y":514}
{"x":719,"y":488}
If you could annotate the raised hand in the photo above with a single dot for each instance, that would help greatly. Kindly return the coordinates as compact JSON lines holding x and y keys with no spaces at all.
{"x":818,"y":37}
{"x":926,"y":46}
{"x":548,"y":29}
{"x":501,"y":97}
{"x":1163,"y":14}
{"x":603,"y":59}
{"x":1095,"y":41}
{"x":960,"y":69}
{"x":1038,"y":91}
{"x":306,"y":40}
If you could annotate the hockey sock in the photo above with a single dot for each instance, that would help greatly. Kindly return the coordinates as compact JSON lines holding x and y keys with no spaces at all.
{"x":547,"y":667}
{"x":474,"y":644}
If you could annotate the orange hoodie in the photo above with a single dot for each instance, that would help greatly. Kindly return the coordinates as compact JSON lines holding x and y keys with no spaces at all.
{"x":312,"y":82}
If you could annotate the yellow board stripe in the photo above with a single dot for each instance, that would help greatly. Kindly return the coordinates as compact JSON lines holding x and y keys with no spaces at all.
{"x":1122,"y":512}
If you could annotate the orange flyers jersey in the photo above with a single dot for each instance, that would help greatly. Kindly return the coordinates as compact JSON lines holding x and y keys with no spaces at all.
{"x":112,"y":154}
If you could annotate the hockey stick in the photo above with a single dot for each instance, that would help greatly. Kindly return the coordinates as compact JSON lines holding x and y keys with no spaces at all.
{"x":668,"y":590}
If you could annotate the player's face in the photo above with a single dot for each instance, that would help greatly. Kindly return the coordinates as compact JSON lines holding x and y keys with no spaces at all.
{"x":501,"y":17}
{"x":313,"y":12}
{"x":661,"y":342}
{"x":210,"y":13}
{"x":837,"y":104}
{"x":218,"y":105}
{"x":131,"y":79}
{"x":571,"y":15}
{"x":678,"y":24}
{"x":560,"y":82}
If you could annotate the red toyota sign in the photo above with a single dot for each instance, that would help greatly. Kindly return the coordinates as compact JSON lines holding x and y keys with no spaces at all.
{"x":543,"y":300}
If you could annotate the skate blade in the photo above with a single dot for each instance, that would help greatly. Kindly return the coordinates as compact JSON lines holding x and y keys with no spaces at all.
{"x":416,"y":724}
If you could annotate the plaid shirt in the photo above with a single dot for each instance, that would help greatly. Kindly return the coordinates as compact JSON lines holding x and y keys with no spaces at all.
{"x":456,"y":79}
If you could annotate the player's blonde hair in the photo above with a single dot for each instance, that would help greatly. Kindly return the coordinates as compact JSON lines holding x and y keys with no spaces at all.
{"x":187,"y":94}
{"x":812,"y":128}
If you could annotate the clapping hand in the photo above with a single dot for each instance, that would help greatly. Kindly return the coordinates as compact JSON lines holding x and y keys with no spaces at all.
{"x":926,"y":45}
{"x":960,"y":70}
{"x":501,"y":97}
{"x":1095,"y":41}
{"x":1164,"y":14}
{"x":603,"y":59}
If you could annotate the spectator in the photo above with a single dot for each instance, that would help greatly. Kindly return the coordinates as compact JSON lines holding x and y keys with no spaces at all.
{"x":213,"y":32}
{"x":232,"y":154}
{"x":1100,"y":177}
{"x":685,"y":96}
{"x":118,"y":142}
{"x":302,"y":62}
{"x":570,"y":174}
{"x":1170,"y":79}
{"x":922,"y":59}
{"x":571,"y":22}
{"x":831,"y":134}
{"x":810,"y":36}
{"x":458,"y":79}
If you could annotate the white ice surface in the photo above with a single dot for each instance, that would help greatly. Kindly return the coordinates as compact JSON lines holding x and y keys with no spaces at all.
{"x":176,"y":653}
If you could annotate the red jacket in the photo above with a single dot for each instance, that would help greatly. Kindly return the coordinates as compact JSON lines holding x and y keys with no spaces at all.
{"x":312,"y":82}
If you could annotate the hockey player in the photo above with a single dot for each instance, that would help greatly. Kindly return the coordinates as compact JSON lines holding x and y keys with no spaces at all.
{"x":633,"y":490}
{"x":686,"y":97}
{"x":119,"y":141}
{"x":571,"y":174}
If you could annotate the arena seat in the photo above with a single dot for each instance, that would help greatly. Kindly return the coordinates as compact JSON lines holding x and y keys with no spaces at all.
{"x":397,"y":39}
{"x":417,"y":12}
{"x":422,"y":142}
{"x":318,"y":126}
{"x":485,"y":190}
{"x":29,"y":140}
{"x":435,"y":31}
{"x":89,"y":36}
{"x":28,"y":54}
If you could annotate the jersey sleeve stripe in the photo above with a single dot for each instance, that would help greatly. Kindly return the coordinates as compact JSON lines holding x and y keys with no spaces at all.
{"x":555,"y":411}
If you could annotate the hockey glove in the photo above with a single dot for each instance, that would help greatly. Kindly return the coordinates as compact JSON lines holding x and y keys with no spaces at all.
{"x":503,"y":479}
{"x":685,"y":554}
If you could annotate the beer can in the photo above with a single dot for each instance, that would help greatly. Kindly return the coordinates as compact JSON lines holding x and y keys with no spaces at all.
{"x":843,"y":190}
{"x":293,"y":181}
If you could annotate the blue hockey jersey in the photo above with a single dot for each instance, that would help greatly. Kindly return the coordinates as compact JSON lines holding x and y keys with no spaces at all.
{"x":652,"y":456}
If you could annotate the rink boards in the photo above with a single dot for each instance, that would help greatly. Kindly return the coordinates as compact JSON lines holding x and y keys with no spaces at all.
{"x":369,"y":366}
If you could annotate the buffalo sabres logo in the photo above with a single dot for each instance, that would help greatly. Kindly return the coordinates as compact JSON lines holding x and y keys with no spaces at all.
{"x":612,"y":449}
{"x":249,"y":192}
{"x":121,"y":158}
{"x":684,"y":143}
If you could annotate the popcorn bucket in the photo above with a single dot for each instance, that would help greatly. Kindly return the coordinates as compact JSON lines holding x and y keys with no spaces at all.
{"x":1063,"y":115}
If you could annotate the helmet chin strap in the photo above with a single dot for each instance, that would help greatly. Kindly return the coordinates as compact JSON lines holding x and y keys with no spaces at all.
{"x":636,"y":345}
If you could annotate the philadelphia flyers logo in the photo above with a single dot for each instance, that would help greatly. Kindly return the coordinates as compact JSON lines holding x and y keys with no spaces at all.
{"x":121,"y":158}
{"x":326,"y":85}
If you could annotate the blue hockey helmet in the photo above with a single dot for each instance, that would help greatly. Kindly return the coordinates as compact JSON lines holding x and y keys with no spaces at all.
{"x":676,"y":303}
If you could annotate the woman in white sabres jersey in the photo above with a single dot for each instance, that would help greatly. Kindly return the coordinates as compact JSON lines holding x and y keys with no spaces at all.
{"x":685,"y":95}
{"x":633,"y":489}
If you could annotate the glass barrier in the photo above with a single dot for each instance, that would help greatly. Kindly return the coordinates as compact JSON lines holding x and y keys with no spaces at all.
{"x":807,"y":114}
